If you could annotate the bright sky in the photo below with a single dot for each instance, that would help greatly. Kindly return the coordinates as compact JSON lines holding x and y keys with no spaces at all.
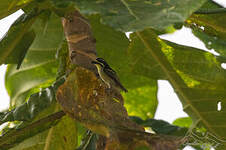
{"x":4,"y":26}
{"x":169,"y":107}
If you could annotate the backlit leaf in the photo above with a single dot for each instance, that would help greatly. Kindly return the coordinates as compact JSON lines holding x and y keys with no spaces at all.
{"x":17,"y":40}
{"x":198,"y":89}
{"x":210,"y":28}
{"x":40,"y":64}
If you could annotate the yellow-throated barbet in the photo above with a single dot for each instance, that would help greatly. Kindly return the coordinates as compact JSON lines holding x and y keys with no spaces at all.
{"x":107,"y":74}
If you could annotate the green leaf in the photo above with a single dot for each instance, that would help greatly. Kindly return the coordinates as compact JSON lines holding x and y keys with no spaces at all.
{"x":210,"y":28}
{"x":38,"y":115}
{"x":183,"y":122}
{"x":112,"y":46}
{"x":8,"y":7}
{"x":18,"y":134}
{"x":142,"y":148}
{"x":141,"y":63}
{"x":21,"y":131}
{"x":81,"y":134}
{"x":209,"y":5}
{"x":89,"y":141}
{"x":18,"y":39}
{"x":39,"y":67}
{"x":142,"y":101}
{"x":40,"y":62}
{"x":127,"y":15}
{"x":30,"y":109}
{"x":62,"y":8}
{"x":161,"y":126}
{"x":198,"y":79}
{"x":53,"y":138}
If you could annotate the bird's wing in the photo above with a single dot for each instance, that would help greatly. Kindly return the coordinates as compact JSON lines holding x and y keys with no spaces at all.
{"x":112,"y":74}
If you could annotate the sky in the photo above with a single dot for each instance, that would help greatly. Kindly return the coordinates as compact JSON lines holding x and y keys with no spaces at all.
{"x":169,"y":107}
{"x":4,"y":26}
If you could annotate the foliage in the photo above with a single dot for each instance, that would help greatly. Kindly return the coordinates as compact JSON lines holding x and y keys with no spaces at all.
{"x":37,"y":56}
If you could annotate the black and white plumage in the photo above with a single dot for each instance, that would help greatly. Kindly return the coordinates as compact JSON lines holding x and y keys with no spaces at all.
{"x":107,"y":74}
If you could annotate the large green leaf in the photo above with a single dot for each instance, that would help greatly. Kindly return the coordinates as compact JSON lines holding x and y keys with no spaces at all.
{"x":13,"y":50}
{"x":63,"y":136}
{"x":132,"y":15}
{"x":39,"y":104}
{"x":210,"y":28}
{"x":44,"y":133}
{"x":33,"y":117}
{"x":39,"y":67}
{"x":14,"y":135}
{"x":112,"y":45}
{"x":8,"y":7}
{"x":38,"y":131}
{"x":196,"y":76}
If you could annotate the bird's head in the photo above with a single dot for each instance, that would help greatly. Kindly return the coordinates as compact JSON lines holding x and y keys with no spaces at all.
{"x":98,"y":64}
{"x":102,"y":61}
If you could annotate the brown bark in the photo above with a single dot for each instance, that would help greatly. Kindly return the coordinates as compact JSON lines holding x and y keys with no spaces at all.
{"x":84,"y":97}
{"x":82,"y":47}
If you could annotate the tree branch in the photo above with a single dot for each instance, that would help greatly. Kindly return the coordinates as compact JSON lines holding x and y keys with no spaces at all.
{"x":211,"y":11}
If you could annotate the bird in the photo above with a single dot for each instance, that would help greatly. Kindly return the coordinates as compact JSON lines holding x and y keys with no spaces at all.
{"x":108,"y":75}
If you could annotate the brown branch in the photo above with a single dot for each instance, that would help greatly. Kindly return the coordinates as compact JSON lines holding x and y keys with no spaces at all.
{"x":81,"y":43}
